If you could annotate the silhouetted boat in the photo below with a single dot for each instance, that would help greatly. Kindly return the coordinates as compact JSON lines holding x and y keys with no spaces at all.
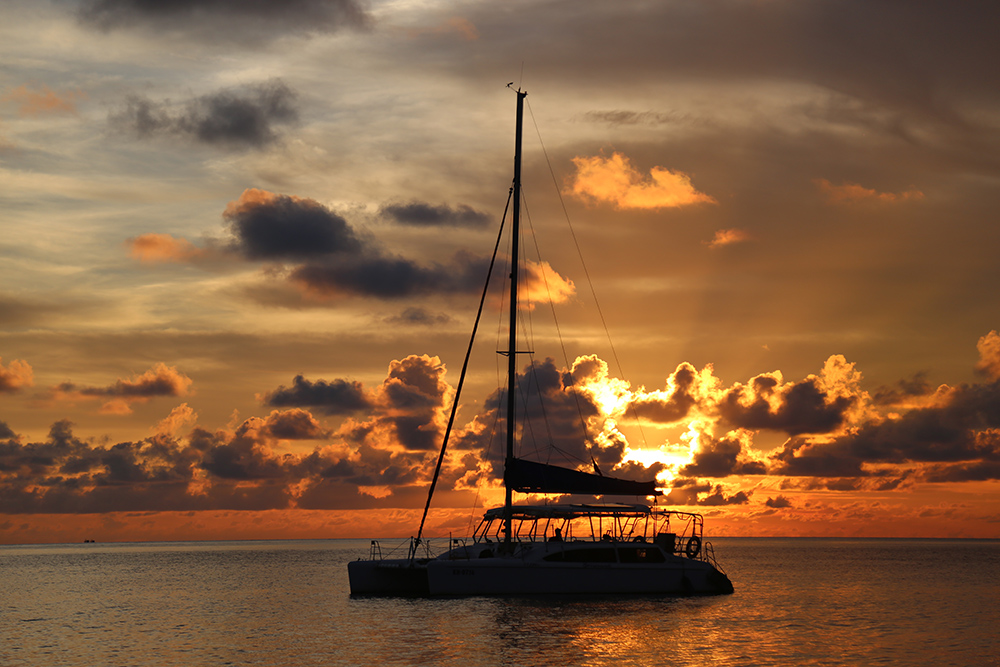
{"x":551,"y":549}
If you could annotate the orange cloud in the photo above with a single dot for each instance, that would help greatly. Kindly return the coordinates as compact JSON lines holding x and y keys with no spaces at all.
{"x":181,"y":416}
{"x":852,"y":192}
{"x":252,"y":198}
{"x":615,"y":180}
{"x":724,"y":237}
{"x":161,"y":380}
{"x":541,"y":283}
{"x":44,"y":101}
{"x":989,"y":355}
{"x":17,"y":375}
{"x":156,"y":248}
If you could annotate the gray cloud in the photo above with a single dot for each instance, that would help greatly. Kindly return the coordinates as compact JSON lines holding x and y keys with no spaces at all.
{"x":226,"y":21}
{"x":804,"y":407}
{"x":960,"y":434}
{"x":283,"y":227}
{"x":420,"y":214}
{"x":248,"y":117}
{"x":778,"y":502}
{"x":338,"y":397}
{"x":392,"y":277}
{"x":721,"y":458}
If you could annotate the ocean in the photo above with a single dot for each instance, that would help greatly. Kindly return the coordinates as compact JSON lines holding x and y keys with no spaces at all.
{"x":797,"y":602}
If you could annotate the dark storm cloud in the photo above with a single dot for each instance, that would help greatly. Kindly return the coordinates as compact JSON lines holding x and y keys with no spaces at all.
{"x":227,"y":20}
{"x":903,"y":390}
{"x":721,"y":458}
{"x":675,"y":405}
{"x":803,"y":407}
{"x":270,"y":226}
{"x":687,"y":491}
{"x":778,"y":502}
{"x":5,"y":431}
{"x":338,"y":397}
{"x":420,"y":214}
{"x":392,"y":277}
{"x":248,"y":117}
{"x":962,"y":430}
{"x":979,"y":471}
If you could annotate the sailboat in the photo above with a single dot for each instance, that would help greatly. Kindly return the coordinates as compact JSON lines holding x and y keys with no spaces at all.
{"x":561,"y":549}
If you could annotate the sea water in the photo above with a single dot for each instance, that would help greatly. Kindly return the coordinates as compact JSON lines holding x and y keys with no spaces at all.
{"x":797,"y":602}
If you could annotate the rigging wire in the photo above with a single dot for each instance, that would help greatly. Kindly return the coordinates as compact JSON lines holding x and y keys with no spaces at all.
{"x":461,"y":379}
{"x":586,"y":272}
{"x":562,"y":341}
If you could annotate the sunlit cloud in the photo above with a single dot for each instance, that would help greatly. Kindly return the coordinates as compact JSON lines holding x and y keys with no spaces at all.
{"x":17,"y":375}
{"x":156,"y":248}
{"x":180,"y":417}
{"x":161,"y":380}
{"x":852,"y":192}
{"x":614,"y":180}
{"x":724,"y":237}
{"x":989,"y":355}
{"x":42,"y":101}
{"x":542,"y":284}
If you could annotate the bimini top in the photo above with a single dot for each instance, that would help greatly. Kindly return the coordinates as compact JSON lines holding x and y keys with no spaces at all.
{"x":522,"y":512}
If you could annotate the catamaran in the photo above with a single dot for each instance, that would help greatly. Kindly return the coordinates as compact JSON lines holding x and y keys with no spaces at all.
{"x":589,"y":548}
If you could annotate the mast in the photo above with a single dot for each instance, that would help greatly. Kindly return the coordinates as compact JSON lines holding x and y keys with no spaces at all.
{"x":512,"y":336}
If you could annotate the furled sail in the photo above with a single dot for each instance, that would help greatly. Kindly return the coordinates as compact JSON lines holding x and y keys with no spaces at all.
{"x":531,"y":477}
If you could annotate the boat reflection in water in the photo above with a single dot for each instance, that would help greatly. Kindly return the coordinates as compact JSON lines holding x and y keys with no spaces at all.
{"x":551,"y":549}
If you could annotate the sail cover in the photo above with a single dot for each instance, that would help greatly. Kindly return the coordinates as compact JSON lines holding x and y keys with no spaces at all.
{"x":530,"y":477}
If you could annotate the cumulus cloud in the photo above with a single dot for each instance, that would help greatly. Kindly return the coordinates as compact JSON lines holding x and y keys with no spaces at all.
{"x":383,"y":452}
{"x":421,"y":214}
{"x":42,"y":101}
{"x":330,"y":259}
{"x":989,"y":355}
{"x":226,"y":20}
{"x":961,"y":432}
{"x":778,"y":502}
{"x":270,"y":226}
{"x":246,"y":117}
{"x":693,"y":492}
{"x":17,"y":375}
{"x":338,"y":397}
{"x":852,"y":192}
{"x":161,"y":380}
{"x":614,"y":180}
{"x":180,"y":417}
{"x":729,"y":455}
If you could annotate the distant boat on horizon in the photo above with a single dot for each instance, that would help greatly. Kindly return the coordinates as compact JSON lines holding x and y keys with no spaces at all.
{"x":591,"y":548}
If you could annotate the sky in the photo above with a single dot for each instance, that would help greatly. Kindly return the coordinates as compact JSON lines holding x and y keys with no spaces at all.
{"x":243,"y":244}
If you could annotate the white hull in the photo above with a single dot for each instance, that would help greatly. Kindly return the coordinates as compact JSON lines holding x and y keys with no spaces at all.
{"x":531,"y":570}
{"x":511,"y":576}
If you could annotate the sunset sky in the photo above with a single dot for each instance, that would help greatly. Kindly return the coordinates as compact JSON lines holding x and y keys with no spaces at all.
{"x":243,"y":244}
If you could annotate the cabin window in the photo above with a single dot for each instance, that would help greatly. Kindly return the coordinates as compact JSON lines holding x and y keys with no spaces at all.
{"x":588,"y":555}
{"x":648,"y":554}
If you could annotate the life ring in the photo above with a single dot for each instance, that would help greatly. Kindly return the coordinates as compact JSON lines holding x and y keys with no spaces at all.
{"x":693,"y":546}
